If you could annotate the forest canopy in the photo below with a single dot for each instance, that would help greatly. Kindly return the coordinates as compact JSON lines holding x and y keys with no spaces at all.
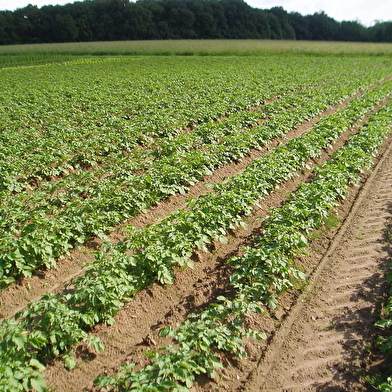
{"x":113,"y":20}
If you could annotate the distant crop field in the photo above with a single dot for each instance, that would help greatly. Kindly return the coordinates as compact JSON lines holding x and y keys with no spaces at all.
{"x":90,"y":143}
{"x":35,"y":53}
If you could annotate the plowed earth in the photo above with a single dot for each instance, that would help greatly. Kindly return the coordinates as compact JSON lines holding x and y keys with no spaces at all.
{"x":323,"y":343}
{"x":317,"y":336}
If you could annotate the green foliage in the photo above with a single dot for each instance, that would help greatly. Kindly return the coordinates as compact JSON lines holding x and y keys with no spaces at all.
{"x":383,"y":382}
{"x":59,"y":190}
{"x":19,"y":370}
{"x":58,"y":327}
{"x":112,"y":20}
{"x":22,"y":376}
{"x":168,"y":372}
{"x":44,"y":217}
{"x":258,"y":275}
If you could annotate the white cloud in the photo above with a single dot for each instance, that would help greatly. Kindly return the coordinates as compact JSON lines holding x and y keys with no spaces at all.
{"x":365,"y":11}
{"x":14,"y":4}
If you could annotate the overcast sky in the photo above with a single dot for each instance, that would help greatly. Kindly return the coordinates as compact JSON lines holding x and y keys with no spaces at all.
{"x":364,"y":11}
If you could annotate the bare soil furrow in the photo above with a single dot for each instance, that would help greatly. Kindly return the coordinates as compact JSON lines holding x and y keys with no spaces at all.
{"x":137,"y":324}
{"x":357,"y":259}
{"x":330,"y":345}
{"x":304,"y":386}
{"x":343,"y":283}
{"x":17,"y":296}
{"x":363,"y":251}
{"x":376,"y":224}
{"x":338,"y":310}
{"x":311,"y":365}
{"x":193,"y":289}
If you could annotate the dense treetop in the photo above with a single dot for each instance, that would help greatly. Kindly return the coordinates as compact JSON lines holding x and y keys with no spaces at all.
{"x":109,"y":20}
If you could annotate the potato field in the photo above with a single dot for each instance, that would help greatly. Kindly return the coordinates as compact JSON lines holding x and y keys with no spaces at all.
{"x":158,"y":213}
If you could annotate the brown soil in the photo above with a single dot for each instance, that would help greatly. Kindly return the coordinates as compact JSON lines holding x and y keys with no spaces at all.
{"x":317,"y":339}
{"x":286,"y":357}
{"x":322,"y":345}
{"x":16,"y":297}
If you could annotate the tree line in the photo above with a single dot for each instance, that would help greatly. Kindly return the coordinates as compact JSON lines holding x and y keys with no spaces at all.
{"x":112,"y":20}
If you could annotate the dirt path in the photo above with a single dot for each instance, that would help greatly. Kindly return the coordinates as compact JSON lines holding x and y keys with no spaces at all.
{"x":322,"y":344}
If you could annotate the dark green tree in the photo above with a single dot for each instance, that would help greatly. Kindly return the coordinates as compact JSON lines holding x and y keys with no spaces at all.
{"x":300,"y":24}
{"x":322,"y":27}
{"x":107,"y":20}
{"x":351,"y":31}
{"x":381,"y":32}
{"x":286,"y":28}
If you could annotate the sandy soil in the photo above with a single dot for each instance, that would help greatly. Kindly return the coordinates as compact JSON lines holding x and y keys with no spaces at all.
{"x":323,"y":343}
{"x":317,"y":338}
{"x":16,"y":297}
{"x":285,"y":358}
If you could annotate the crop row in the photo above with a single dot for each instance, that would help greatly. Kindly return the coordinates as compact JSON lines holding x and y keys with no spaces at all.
{"x":156,"y":249}
{"x":56,"y":130}
{"x":265,"y":270}
{"x":43,"y":225}
{"x":66,"y":115}
{"x":52,"y":325}
{"x":136,"y":159}
{"x":90,"y":114}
